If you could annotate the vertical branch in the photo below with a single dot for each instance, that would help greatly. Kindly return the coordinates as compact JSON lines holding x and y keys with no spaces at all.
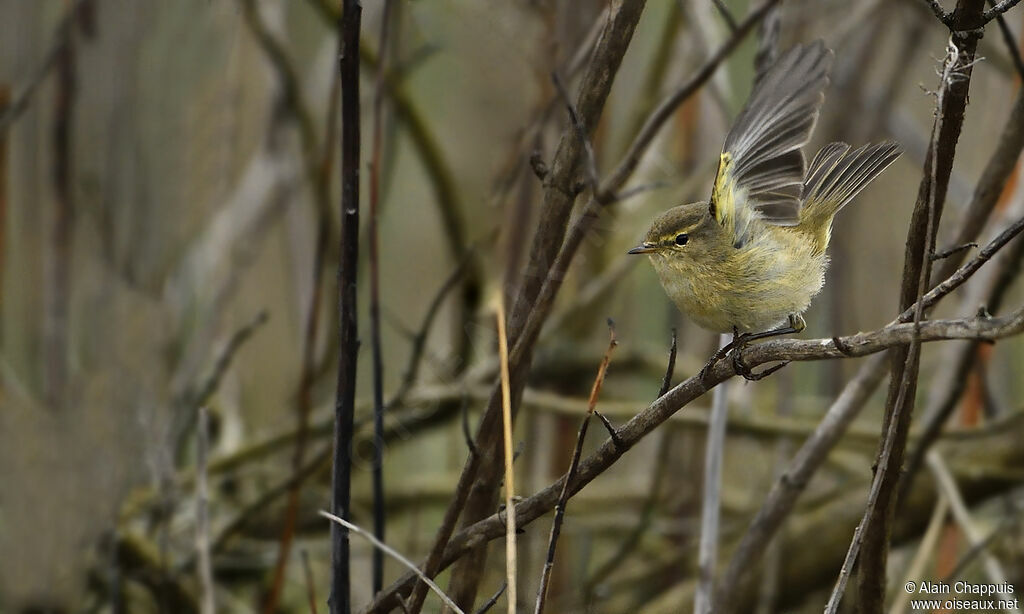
{"x":378,"y":363}
{"x":348,"y":344}
{"x":204,"y":567}
{"x":707,"y":556}
{"x":506,"y":420}
{"x":925,"y":218}
{"x":58,"y":287}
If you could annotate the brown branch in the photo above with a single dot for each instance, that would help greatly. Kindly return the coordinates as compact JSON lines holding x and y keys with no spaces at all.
{"x":475,"y":495}
{"x":644,"y":422}
{"x":563,"y":497}
{"x":952,"y":101}
{"x":348,"y":342}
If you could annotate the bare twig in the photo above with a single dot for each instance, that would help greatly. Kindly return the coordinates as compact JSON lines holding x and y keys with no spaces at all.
{"x":939,"y":12}
{"x":998,"y":9}
{"x":348,"y":343}
{"x":1011,"y":44}
{"x":632,"y":540}
{"x":378,"y":361}
{"x":395,"y":555}
{"x":205,"y":568}
{"x":949,"y":251}
{"x":714,"y":450}
{"x":419,"y":340}
{"x":670,"y":368}
{"x":510,"y":489}
{"x":487,"y":605}
{"x":726,"y":14}
{"x":310,"y":583}
{"x":997,"y":171}
{"x":563,"y":498}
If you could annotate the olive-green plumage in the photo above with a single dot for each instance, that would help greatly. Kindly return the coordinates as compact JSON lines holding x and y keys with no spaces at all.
{"x":754,"y":255}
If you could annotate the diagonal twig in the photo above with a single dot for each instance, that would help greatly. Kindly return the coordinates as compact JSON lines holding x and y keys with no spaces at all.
{"x":395,"y":555}
{"x":563,"y":498}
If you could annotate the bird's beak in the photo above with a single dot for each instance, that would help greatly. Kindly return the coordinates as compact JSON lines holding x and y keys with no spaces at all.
{"x":643,"y":248}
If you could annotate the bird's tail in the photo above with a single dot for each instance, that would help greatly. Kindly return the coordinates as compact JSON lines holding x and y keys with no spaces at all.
{"x":834,"y":177}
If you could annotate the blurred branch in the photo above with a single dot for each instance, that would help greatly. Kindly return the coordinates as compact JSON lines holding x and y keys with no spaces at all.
{"x":1012,"y":48}
{"x":206,"y":584}
{"x":990,"y":185}
{"x":950,"y":492}
{"x":726,"y":15}
{"x":378,"y":361}
{"x":710,"y":510}
{"x":61,"y":39}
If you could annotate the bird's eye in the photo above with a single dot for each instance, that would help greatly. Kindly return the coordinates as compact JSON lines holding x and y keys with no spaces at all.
{"x":682,"y":238}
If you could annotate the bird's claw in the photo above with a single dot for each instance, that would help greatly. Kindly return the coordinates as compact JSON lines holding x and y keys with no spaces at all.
{"x":745,"y":371}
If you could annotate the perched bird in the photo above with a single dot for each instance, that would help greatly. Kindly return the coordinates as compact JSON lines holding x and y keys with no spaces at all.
{"x":750,"y":260}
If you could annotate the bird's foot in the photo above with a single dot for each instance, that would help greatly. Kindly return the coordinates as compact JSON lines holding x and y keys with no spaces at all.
{"x":746,"y":372}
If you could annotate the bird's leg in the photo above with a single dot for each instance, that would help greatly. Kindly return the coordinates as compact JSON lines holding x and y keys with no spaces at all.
{"x":720,"y":354}
{"x":796,"y":324}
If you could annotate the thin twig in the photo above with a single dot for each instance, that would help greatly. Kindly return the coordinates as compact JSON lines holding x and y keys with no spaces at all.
{"x":632,"y":540}
{"x":493,"y":600}
{"x":205,"y":568}
{"x":310,"y":583}
{"x":726,"y":15}
{"x":670,"y":368}
{"x":949,"y":251}
{"x":395,"y":555}
{"x":563,"y":498}
{"x":378,"y":360}
{"x":204,"y":392}
{"x":419,"y":340}
{"x":506,"y":422}
{"x":1011,"y":43}
{"x":714,"y":450}
{"x":998,"y":9}
{"x":348,"y":343}
{"x":939,"y":12}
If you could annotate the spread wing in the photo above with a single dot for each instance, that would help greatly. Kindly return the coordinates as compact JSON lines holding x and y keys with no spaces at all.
{"x":761,"y":171}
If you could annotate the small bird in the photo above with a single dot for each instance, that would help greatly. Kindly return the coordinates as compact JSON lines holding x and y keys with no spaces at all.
{"x":750,"y":260}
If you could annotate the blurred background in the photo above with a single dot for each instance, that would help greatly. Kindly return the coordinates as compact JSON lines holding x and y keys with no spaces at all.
{"x":169,"y":222}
